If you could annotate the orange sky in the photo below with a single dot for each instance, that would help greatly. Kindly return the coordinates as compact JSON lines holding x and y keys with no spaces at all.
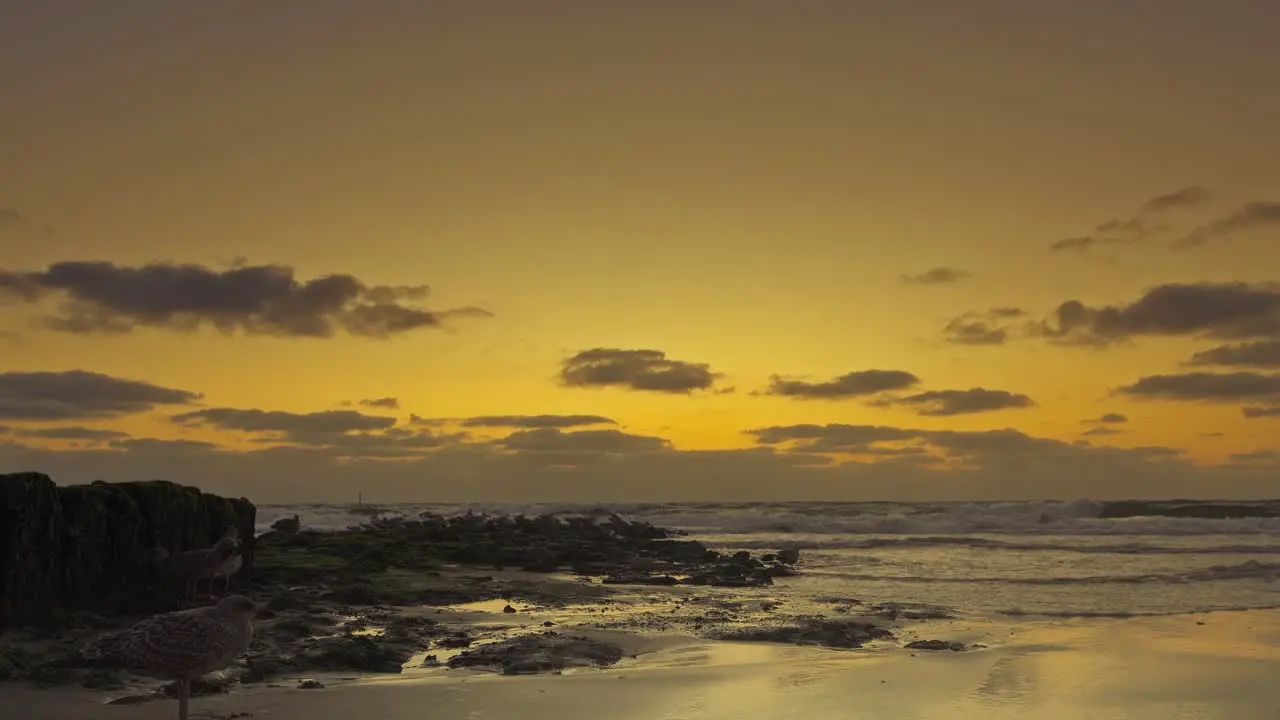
{"x":742,"y":185}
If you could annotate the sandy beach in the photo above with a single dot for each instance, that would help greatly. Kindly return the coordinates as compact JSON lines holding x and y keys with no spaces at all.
{"x":1217,"y":665}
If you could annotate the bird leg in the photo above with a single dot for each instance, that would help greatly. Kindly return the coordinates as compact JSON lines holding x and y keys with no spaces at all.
{"x":184,"y":693}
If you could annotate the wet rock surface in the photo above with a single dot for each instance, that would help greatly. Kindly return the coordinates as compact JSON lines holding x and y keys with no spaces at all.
{"x":820,"y":631}
{"x":941,"y":646}
{"x":545,"y":652}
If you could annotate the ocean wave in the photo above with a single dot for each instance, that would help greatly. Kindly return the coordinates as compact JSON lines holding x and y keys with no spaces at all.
{"x":847,"y":542}
{"x":1248,"y":570}
{"x":1121,"y":614}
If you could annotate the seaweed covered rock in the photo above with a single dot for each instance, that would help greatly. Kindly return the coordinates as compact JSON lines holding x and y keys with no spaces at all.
{"x":810,"y":631}
{"x":546,"y":652}
{"x":356,"y":652}
{"x":89,"y":547}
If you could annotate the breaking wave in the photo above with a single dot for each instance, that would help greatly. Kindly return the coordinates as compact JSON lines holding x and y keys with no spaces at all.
{"x":1251,"y":569}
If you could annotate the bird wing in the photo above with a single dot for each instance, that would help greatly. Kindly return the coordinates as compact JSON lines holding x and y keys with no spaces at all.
{"x":177,"y":643}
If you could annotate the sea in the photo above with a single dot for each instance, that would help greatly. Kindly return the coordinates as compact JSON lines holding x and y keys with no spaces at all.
{"x":1079,"y":558}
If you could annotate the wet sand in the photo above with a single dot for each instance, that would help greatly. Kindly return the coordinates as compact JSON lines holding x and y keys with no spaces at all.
{"x":1134,"y":669}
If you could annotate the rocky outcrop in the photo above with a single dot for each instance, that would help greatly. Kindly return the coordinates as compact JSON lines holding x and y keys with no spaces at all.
{"x":89,"y":547}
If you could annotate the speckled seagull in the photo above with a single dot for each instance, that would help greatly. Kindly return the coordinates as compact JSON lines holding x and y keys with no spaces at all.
{"x":181,"y":645}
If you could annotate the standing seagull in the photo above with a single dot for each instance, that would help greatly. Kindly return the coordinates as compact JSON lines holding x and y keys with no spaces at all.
{"x":181,"y":645}
{"x":196,"y":565}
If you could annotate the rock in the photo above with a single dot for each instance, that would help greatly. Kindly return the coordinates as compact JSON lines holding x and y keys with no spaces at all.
{"x":508,"y":610}
{"x":810,"y":631}
{"x":531,"y":654}
{"x":310,"y":685}
{"x":540,"y":559}
{"x":789,"y":556}
{"x":940,"y":645}
{"x":103,"y":679}
{"x":355,"y":652}
{"x":452,"y":642}
{"x":89,"y":547}
{"x":289,"y":525}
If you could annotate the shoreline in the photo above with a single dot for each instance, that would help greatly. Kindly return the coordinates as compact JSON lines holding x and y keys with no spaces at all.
{"x":1088,"y":668}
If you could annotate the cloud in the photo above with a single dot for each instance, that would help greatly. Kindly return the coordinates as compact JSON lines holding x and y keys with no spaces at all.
{"x":990,"y":327}
{"x":10,"y":218}
{"x":937,"y":276}
{"x":853,"y":384}
{"x":535,"y":421}
{"x":1217,"y":310}
{"x":347,"y":433}
{"x":942,"y":403}
{"x":645,"y":370}
{"x":1260,"y":354}
{"x":1138,"y":227}
{"x":1103,"y":430}
{"x":1253,"y":412}
{"x":386,"y":403}
{"x":1187,"y":197}
{"x":550,"y":439}
{"x":102,"y":297}
{"x":69,"y":432}
{"x":795,"y":463}
{"x":1267,"y":457}
{"x":1107,"y":418}
{"x":81,"y":395}
{"x":1249,"y":217}
{"x":254,"y":420}
{"x":1206,"y":387}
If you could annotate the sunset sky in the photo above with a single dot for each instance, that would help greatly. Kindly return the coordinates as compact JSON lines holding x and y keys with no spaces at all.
{"x":607,"y":250}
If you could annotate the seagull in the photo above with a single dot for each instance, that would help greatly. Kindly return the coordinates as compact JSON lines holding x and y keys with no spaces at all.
{"x":181,"y":645}
{"x":203,"y":564}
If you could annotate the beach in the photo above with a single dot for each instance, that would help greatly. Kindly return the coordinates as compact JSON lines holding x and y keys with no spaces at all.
{"x":975,"y":610}
{"x":1135,"y":669}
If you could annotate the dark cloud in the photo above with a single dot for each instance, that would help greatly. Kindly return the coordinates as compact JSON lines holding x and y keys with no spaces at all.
{"x":1254,"y":412}
{"x":347,"y":433}
{"x":1079,"y":242}
{"x":1257,"y":456}
{"x":79,"y":395}
{"x":536,"y":421}
{"x":102,"y":297}
{"x":853,"y":384}
{"x":1207,"y":387}
{"x":647,"y":370}
{"x":1113,"y":418}
{"x":1103,"y":430}
{"x":1138,"y":227}
{"x":1219,"y":310}
{"x":937,"y":276}
{"x":71,"y":432}
{"x":1249,"y":217}
{"x":254,"y":420}
{"x":941,"y":403}
{"x":1187,"y":197}
{"x":386,"y":403}
{"x":165,"y":447}
{"x":990,"y":327}
{"x":550,"y":439}
{"x":1260,"y":354}
{"x":855,"y":463}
